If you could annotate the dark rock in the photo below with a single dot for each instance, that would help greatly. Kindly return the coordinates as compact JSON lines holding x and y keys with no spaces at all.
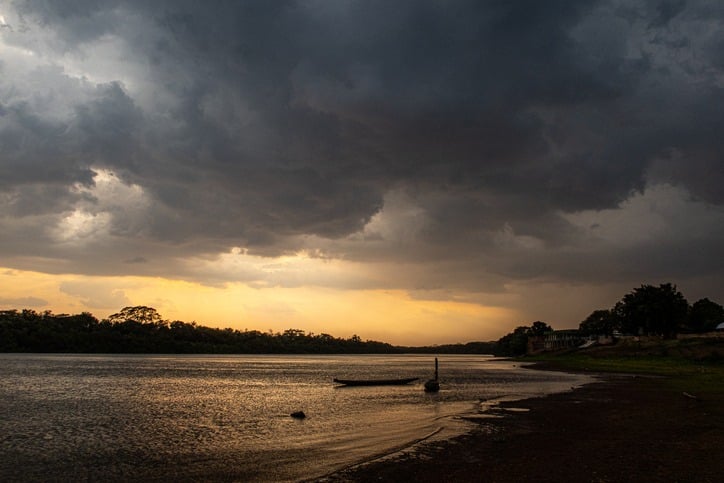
{"x":432,"y":385}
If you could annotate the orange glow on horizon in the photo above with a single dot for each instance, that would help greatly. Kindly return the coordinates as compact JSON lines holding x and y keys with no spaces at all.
{"x":383,"y":315}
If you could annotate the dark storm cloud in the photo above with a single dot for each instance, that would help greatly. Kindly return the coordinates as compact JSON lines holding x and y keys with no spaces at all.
{"x":257,"y":124}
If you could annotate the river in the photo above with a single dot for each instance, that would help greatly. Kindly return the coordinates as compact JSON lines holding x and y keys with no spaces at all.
{"x":227,"y":418}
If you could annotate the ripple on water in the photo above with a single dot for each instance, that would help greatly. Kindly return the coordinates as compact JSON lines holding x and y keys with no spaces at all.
{"x":120,"y":418}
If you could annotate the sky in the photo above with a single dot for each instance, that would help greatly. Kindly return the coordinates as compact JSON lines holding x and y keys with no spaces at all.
{"x":410,"y":171}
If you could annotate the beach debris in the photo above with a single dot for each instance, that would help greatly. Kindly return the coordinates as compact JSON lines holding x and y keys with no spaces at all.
{"x":298,"y":415}
{"x":690,"y":396}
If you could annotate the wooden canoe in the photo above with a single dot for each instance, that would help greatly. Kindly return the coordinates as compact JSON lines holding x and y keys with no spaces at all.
{"x":375,"y":382}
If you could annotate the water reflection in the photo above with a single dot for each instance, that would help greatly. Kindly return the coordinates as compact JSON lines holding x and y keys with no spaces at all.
{"x":227,"y":417}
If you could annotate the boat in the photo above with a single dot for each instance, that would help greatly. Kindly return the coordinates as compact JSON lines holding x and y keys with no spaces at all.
{"x":433,"y":385}
{"x":376,"y":382}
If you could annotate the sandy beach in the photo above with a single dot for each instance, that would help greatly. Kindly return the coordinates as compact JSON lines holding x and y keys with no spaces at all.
{"x":623,"y":428}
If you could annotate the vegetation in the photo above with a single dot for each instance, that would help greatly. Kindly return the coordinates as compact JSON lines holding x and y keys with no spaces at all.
{"x":600,"y":322}
{"x":650,"y":310}
{"x":141,"y":329}
{"x":704,"y":316}
{"x":694,"y":365}
{"x":516,"y":343}
{"x":647,"y":310}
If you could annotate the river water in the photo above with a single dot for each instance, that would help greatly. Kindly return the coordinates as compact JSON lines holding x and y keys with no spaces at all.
{"x":227,"y":418}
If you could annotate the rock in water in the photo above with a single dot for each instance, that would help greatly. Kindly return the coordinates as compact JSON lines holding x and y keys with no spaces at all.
{"x":432,"y":385}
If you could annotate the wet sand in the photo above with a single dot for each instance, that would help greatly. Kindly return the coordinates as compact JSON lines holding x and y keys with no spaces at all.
{"x":623,"y":428}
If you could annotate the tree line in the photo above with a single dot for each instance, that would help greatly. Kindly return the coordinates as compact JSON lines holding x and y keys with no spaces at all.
{"x":141,"y":329}
{"x":654,"y":311}
{"x":647,"y":310}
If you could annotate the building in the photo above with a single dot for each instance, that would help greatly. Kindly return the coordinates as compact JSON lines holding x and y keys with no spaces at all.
{"x":555,"y":340}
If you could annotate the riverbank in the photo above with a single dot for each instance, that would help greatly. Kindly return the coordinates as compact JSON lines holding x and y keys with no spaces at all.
{"x":622,"y":428}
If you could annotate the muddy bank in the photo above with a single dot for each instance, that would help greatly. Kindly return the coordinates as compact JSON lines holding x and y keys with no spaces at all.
{"x":624,"y":428}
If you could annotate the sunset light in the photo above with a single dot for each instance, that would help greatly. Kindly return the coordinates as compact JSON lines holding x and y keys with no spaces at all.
{"x":270,"y":241}
{"x":317,"y":167}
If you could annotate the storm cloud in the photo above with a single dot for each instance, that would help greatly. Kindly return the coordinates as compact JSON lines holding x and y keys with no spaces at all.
{"x":459,"y":145}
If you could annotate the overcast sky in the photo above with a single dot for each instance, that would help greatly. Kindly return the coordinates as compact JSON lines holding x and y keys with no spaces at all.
{"x":483,"y":163}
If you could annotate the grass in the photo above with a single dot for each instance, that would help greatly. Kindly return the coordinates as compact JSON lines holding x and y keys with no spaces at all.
{"x":690,"y":365}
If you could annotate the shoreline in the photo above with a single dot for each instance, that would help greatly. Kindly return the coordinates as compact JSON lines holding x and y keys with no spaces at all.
{"x":469,"y":421}
{"x":618,"y":428}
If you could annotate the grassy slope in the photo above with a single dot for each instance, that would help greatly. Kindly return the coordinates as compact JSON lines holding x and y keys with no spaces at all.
{"x":695,"y":366}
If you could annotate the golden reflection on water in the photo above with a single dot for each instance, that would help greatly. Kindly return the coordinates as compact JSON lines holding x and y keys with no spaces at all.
{"x":115,"y":418}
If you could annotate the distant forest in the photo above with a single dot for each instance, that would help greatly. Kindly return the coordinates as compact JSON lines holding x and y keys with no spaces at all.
{"x":647,"y":310}
{"x":142,"y":330}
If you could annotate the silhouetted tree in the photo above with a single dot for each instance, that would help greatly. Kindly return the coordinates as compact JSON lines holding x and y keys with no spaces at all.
{"x":705,"y":315}
{"x":650,"y":310}
{"x":539,"y":328}
{"x":293,"y":333}
{"x":514,"y":343}
{"x":138,"y":313}
{"x":600,"y":322}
